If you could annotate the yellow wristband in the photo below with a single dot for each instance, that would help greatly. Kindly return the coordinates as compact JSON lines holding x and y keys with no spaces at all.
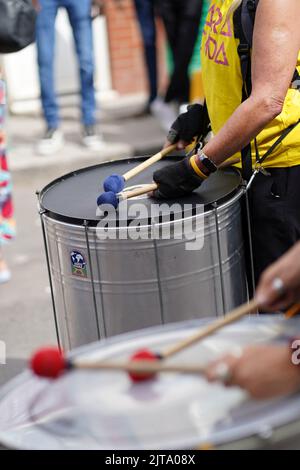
{"x":196,"y":168}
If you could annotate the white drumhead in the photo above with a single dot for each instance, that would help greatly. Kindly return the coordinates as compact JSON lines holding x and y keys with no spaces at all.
{"x":104,"y":410}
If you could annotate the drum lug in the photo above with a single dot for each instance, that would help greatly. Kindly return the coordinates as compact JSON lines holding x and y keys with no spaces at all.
{"x":223,"y":298}
{"x":87,"y":240}
{"x":42,"y":212}
{"x":252,"y":179}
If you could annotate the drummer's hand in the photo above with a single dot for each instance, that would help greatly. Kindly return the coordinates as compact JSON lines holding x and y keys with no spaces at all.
{"x":186,"y":127}
{"x":176,"y":180}
{"x":263,"y":371}
{"x":287,"y":268}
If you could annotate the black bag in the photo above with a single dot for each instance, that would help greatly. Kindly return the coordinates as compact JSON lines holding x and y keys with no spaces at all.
{"x":17,"y":25}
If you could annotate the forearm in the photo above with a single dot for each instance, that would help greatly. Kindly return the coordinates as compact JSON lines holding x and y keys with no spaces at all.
{"x":276,"y":42}
{"x":248,"y":120}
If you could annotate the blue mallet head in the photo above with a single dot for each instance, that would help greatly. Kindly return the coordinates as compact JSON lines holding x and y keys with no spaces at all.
{"x":108,"y":198}
{"x":114,"y":183}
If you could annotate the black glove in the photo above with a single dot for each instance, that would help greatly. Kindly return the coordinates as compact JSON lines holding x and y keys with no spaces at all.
{"x":193,"y":123}
{"x":178,"y":179}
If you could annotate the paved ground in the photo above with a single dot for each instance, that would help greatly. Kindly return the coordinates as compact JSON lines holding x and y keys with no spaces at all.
{"x":26,"y":320}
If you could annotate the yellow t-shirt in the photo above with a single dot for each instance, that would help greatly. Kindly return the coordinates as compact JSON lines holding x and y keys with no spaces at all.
{"x":222,"y":80}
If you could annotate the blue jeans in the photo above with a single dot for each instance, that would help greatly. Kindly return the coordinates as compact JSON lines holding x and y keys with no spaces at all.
{"x":145,"y":14}
{"x":79,"y":12}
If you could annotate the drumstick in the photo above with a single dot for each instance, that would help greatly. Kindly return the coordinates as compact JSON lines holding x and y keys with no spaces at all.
{"x":142,"y":367}
{"x":150,"y":161}
{"x":153,"y":186}
{"x":116,"y":183}
{"x":145,"y":189}
{"x":51,"y":363}
{"x":231,"y":317}
{"x":110,"y":197}
{"x":291,"y":312}
{"x":114,"y":199}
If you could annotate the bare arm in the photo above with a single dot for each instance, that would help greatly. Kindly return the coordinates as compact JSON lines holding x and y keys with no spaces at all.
{"x":276,"y":45}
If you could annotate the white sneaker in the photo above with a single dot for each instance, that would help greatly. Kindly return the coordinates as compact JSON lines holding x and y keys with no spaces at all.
{"x":52,"y":141}
{"x":5,"y":276}
{"x":92,"y":140}
{"x":164,"y":112}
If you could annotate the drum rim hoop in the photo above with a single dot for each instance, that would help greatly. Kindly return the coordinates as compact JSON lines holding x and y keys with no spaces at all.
{"x":235,"y":435}
{"x":93,"y":222}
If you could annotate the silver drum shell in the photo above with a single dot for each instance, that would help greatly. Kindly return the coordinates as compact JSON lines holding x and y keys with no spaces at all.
{"x":133,"y":284}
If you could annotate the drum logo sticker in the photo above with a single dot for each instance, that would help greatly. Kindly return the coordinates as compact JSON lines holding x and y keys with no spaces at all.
{"x":78,"y":264}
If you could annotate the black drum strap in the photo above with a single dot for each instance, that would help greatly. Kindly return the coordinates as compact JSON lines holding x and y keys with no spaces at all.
{"x":244,"y":19}
{"x":285,"y":133}
{"x":205,"y":129}
{"x":244,"y":51}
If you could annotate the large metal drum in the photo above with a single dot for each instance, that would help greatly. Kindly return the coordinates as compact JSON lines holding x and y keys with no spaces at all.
{"x":103,"y":287}
{"x":105,"y":410}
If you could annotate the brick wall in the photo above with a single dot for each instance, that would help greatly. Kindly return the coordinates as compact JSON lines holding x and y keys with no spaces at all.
{"x":126,"y":49}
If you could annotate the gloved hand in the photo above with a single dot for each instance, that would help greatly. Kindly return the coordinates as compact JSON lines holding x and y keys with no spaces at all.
{"x":189,"y":125}
{"x":178,"y":179}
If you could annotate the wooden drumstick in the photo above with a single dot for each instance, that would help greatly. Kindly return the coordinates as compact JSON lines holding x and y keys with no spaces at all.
{"x":291,"y":312}
{"x":231,"y":317}
{"x":51,"y":363}
{"x":150,"y":161}
{"x":116,"y":183}
{"x":147,"y":188}
{"x":113,"y":198}
{"x":142,"y":367}
{"x":152,"y":187}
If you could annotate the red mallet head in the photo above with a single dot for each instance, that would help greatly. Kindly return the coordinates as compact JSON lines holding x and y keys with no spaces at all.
{"x":48,"y":362}
{"x":142,"y":355}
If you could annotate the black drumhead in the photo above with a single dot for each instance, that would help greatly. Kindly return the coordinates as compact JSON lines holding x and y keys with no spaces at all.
{"x":72,"y":198}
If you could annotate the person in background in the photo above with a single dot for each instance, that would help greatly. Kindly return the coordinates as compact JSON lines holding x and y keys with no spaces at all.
{"x":267,"y":371}
{"x":145,"y":13}
{"x":181,"y":19}
{"x":80,"y":17}
{"x":7,"y":225}
{"x":146,"y":18}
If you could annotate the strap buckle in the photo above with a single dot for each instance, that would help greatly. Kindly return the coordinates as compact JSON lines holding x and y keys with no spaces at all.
{"x":244,"y":51}
{"x":296,"y":84}
{"x":257,"y":169}
{"x":260,"y":169}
